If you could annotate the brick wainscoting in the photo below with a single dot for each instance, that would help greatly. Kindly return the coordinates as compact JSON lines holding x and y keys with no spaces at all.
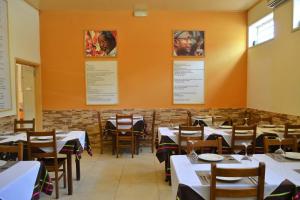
{"x":7,"y":124}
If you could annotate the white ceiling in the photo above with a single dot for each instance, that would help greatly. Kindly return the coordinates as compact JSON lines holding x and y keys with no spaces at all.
{"x":172,"y":5}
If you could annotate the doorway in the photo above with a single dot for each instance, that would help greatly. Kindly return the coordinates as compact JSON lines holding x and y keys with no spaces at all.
{"x":26,"y":92}
{"x":28,"y":88}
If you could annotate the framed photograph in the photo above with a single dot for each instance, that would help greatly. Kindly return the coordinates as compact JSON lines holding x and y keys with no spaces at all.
{"x":100,"y":43}
{"x":188,"y":43}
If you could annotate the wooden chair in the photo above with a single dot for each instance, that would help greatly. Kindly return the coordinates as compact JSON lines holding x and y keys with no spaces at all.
{"x":124,"y":133}
{"x":143,"y":137}
{"x":232,"y":192}
{"x":103,"y":133}
{"x":200,"y":144}
{"x":50,"y":159}
{"x":251,"y":136}
{"x":153,"y":135}
{"x":185,"y":138}
{"x":20,"y":125}
{"x":288,"y":133}
{"x":286,"y":142}
{"x":13,"y":149}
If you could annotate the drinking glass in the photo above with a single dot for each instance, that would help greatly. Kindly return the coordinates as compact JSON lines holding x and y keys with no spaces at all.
{"x":193,"y":154}
{"x":246,"y":157}
{"x":280,"y":150}
{"x":246,"y":121}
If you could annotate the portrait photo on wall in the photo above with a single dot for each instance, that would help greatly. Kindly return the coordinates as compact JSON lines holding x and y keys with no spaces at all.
{"x":100,"y":43}
{"x":188,"y":43}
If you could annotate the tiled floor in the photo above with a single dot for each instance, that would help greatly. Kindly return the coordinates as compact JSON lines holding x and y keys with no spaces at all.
{"x":104,"y":177}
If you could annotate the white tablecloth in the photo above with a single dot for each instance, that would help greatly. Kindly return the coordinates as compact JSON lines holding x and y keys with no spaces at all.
{"x":136,"y":118}
{"x":17,"y":182}
{"x":80,"y":135}
{"x":225,"y":133}
{"x":182,"y":171}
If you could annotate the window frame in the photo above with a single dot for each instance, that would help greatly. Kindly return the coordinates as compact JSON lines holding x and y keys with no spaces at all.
{"x":255,"y":28}
{"x":297,"y":27}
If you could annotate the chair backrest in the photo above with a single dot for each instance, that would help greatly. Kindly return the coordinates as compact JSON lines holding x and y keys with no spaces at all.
{"x":289,"y":127}
{"x":20,"y":125}
{"x":153,"y":123}
{"x":124,"y":123}
{"x":189,"y":118}
{"x":231,"y":192}
{"x":184,"y":138}
{"x":13,"y":149}
{"x":34,"y":145}
{"x":290,"y":142}
{"x":250,"y":136}
{"x":200,"y":144}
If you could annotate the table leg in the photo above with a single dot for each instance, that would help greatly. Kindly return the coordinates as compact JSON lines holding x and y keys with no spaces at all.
{"x":166,"y":170}
{"x":77,"y":162}
{"x":69,"y":174}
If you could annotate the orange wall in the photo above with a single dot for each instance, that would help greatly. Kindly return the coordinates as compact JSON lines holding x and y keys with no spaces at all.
{"x":144,"y":57}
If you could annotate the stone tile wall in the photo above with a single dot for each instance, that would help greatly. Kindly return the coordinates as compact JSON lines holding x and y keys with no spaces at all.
{"x":278,"y":118}
{"x":87,"y":119}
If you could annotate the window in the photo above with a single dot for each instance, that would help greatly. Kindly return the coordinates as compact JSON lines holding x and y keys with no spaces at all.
{"x":261,"y":31}
{"x":296,"y":16}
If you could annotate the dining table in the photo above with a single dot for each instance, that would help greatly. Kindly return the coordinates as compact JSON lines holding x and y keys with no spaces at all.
{"x":68,"y":142}
{"x":138,"y":123}
{"x":191,"y":175}
{"x":23,"y":180}
{"x":168,"y":140}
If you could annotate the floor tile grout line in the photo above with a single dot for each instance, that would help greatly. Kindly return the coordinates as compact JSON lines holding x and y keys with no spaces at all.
{"x":123,"y":166}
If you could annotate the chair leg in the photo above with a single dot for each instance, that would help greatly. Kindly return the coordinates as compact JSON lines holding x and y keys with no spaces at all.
{"x":56,"y":184}
{"x":113,"y":145}
{"x":101,"y":143}
{"x":132,"y":146}
{"x":136,"y":146}
{"x":152,"y":143}
{"x":117,"y":147}
{"x":65,"y":175}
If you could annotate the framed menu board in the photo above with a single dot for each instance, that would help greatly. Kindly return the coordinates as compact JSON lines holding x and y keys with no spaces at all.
{"x":101,"y":82}
{"x":5,"y":92}
{"x":188,"y":82}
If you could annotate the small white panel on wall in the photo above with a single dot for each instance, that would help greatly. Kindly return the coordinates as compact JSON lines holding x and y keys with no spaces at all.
{"x":5,"y":92}
{"x":188,"y":82}
{"x":101,"y":82}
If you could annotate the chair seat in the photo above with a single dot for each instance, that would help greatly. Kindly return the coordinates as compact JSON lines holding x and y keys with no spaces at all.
{"x":49,"y":163}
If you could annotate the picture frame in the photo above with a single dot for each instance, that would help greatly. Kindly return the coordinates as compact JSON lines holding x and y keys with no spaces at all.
{"x":100,"y":43}
{"x":188,"y":43}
